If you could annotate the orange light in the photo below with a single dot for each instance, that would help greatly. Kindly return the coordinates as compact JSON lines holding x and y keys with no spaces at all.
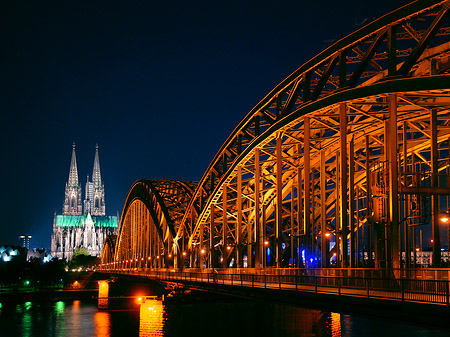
{"x":417,"y":249}
{"x":266,"y":242}
{"x":202,"y":251}
{"x":327,"y":235}
{"x":157,"y":257}
{"x":444,"y":219}
{"x":184,"y":253}
{"x":142,"y":259}
{"x":170,"y":255}
{"x":228,"y":247}
{"x":149,"y":257}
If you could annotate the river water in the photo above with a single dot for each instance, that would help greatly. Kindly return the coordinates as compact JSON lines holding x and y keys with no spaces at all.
{"x":207,"y":318}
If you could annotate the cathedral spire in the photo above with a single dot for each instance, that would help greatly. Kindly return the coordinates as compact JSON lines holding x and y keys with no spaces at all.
{"x":72,"y":202}
{"x":73,"y":173}
{"x":96,"y":177}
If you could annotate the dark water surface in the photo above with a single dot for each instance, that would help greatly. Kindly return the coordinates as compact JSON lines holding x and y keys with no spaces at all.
{"x":153,"y":318}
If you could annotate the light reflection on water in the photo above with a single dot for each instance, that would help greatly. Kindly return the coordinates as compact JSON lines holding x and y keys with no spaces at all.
{"x":102,"y":324}
{"x":153,"y":318}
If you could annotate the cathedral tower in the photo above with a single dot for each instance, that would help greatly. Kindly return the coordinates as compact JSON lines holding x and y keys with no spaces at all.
{"x":72,"y":202}
{"x":95,"y":190}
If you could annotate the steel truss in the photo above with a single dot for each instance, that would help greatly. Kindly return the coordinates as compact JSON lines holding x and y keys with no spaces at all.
{"x":151,"y":217}
{"x":340,"y":162}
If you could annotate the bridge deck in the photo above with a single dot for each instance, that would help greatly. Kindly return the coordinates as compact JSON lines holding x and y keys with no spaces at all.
{"x":434,"y":292}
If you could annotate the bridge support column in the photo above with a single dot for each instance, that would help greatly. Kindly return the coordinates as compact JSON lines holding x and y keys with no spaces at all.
{"x":351,"y":204}
{"x":259,"y":227}
{"x":239,"y":218}
{"x":435,"y":198}
{"x":343,"y":182}
{"x":300,"y":224}
{"x":279,"y":207}
{"x":406,"y":231}
{"x":323,"y":218}
{"x":225,"y":228}
{"x":393,"y":182}
{"x":212,"y":255}
{"x":307,"y":190}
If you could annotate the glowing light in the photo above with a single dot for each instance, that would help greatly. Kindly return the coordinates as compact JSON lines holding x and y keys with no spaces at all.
{"x":103,"y":290}
{"x":170,"y":255}
{"x":417,"y":249}
{"x":327,"y":235}
{"x":157,"y":257}
{"x":59,"y":308}
{"x":184,"y":253}
{"x":228,"y":247}
{"x":203,"y":251}
{"x":266,"y":242}
{"x":444,"y":219}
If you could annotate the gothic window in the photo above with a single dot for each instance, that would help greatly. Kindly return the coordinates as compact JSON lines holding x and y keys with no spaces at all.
{"x":97,"y":203}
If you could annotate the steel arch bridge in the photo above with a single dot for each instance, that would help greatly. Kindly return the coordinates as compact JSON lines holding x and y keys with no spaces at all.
{"x":339,"y":164}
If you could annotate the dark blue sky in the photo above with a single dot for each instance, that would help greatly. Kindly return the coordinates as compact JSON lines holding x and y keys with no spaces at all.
{"x":158,"y":85}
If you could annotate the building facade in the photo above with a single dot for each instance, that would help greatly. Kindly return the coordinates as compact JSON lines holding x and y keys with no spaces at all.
{"x":83,"y":223}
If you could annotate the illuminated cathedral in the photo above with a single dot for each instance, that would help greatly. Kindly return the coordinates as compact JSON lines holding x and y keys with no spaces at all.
{"x":83,"y":223}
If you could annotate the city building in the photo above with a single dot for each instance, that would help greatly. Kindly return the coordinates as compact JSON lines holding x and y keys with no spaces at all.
{"x":83,"y":223}
{"x":25,"y":241}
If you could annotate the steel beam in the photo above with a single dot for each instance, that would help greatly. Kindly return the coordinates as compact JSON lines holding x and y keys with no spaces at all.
{"x":279,"y":201}
{"x":435,"y":216}
{"x":307,"y":189}
{"x":393,"y":183}
{"x":343,"y":181}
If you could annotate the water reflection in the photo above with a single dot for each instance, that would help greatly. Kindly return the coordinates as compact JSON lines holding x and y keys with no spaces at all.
{"x":102,"y":324}
{"x":335,"y":326}
{"x":151,"y":319}
{"x":224,"y":318}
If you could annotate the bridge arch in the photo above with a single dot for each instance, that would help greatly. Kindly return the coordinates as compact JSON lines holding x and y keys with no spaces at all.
{"x":149,"y":223}
{"x":108,"y":250}
{"x":353,"y":131}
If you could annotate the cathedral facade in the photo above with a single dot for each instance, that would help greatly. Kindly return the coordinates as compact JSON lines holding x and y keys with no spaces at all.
{"x":83,"y":223}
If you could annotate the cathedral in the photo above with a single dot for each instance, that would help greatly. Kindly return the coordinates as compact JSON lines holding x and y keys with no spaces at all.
{"x":82,"y":224}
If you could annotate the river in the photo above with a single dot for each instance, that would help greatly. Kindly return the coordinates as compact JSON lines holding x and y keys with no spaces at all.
{"x":206,"y":318}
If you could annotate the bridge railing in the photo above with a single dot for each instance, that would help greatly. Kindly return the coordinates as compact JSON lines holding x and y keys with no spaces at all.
{"x":401,"y":289}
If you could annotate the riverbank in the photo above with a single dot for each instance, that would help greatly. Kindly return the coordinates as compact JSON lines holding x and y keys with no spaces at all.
{"x":49,"y":295}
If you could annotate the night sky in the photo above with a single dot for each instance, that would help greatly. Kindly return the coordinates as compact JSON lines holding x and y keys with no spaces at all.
{"x":158,"y":85}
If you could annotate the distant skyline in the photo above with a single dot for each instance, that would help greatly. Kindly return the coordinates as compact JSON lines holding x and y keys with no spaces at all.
{"x":158,"y":86}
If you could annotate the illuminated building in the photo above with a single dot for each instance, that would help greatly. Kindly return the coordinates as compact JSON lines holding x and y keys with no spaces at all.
{"x":78,"y":228}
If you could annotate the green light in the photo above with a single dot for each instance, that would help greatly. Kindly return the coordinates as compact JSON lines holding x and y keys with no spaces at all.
{"x":27,"y":282}
{"x":59,"y":308}
{"x":79,"y":220}
{"x":1,"y":305}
